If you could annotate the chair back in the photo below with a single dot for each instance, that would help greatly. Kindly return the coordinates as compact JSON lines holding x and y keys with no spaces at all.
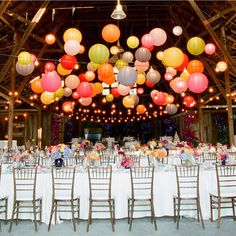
{"x":107,"y":159}
{"x":100,"y":181}
{"x":79,"y":158}
{"x":135,"y":158}
{"x":187,"y":180}
{"x":210,"y":156}
{"x":72,"y":161}
{"x":142,"y":181}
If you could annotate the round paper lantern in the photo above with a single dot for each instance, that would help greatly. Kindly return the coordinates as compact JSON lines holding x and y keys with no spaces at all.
{"x":23,"y":69}
{"x":99,"y":53}
{"x":81,"y":49}
{"x":197,"y":82}
{"x":123,"y":90}
{"x":62,"y":71}
{"x":24,"y":58}
{"x":185,"y":74}
{"x":132,"y":42}
{"x":75,"y":95}
{"x":47,"y":97}
{"x":67,"y":92}
{"x":159,"y":55}
{"x":36,"y":86}
{"x":115,"y":92}
{"x":128,"y":57}
{"x":59,"y":93}
{"x":184,"y":63}
{"x":147,"y":41}
{"x":33,"y":58}
{"x":51,"y":81}
{"x":85,"y":101}
{"x":159,"y":98}
{"x":169,"y":99}
{"x":105,"y":70}
{"x":171,"y":70}
{"x":149,"y":84}
{"x":68,"y":107}
{"x":110,"y":80}
{"x":72,"y":34}
{"x":141,"y":77}
{"x":143,"y":54}
{"x":94,"y":92}
{"x":168,"y":76}
{"x":72,"y":47}
{"x":92,"y":66}
{"x":90,"y":75}
{"x":68,"y":62}
{"x":189,"y":101}
{"x":110,"y":33}
{"x":121,"y":63}
{"x":141,"y":109}
{"x":49,"y":67}
{"x":72,"y":81}
{"x":50,"y":39}
{"x":221,"y":66}
{"x":153,"y":76}
{"x":109,"y":97}
{"x":140,"y":90}
{"x":171,"y":109}
{"x":114,"y":50}
{"x":127,"y":76}
{"x":85,"y":89}
{"x":141,"y":66}
{"x":136,"y":99}
{"x":196,"y":46}
{"x":179,"y":85}
{"x":210,"y":49}
{"x":173,"y":57}
{"x":153,"y":93}
{"x":177,"y":30}
{"x":159,"y":36}
{"x":128,"y":101}
{"x":98,"y":88}
{"x":195,"y":66}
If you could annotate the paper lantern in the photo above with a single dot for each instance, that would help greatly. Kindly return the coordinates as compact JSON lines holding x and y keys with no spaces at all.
{"x":169,"y":99}
{"x":62,"y":71}
{"x":143,"y":54}
{"x":128,"y":57}
{"x":159,"y":55}
{"x":210,"y":49}
{"x":92,"y":66}
{"x":196,"y":46}
{"x":36,"y":86}
{"x":81,"y":49}
{"x":197,"y":82}
{"x":195,"y":66}
{"x":185,"y":74}
{"x":33,"y":58}
{"x":123,"y":90}
{"x":136,"y":99}
{"x":171,"y":109}
{"x":99,"y":53}
{"x":171,"y":70}
{"x":153,"y":93}
{"x":177,"y":30}
{"x":221,"y":66}
{"x":98,"y":88}
{"x":72,"y":47}
{"x":85,"y":101}
{"x":68,"y":107}
{"x":110,"y":80}
{"x":159,"y":36}
{"x":159,"y":98}
{"x":153,"y":76}
{"x":128,"y":101}
{"x":140,"y":90}
{"x":173,"y":57}
{"x":72,"y":34}
{"x":47,"y":97}
{"x":49,"y":67}
{"x":85,"y":89}
{"x":132,"y":42}
{"x":72,"y":81}
{"x":127,"y":76}
{"x":109,"y":97}
{"x":110,"y":33}
{"x":90,"y":75}
{"x":51,"y":81}
{"x":121,"y":63}
{"x":141,"y":66}
{"x":105,"y":70}
{"x":50,"y":39}
{"x":94,"y":92}
{"x":68,"y":62}
{"x":147,"y":41}
{"x":59,"y":93}
{"x":75,"y":95}
{"x":141,"y":78}
{"x":115,"y":92}
{"x":141,"y":109}
{"x":189,"y":101}
{"x":179,"y":85}
{"x":168,"y":76}
{"x":114,"y":50}
{"x":184,"y":63}
{"x":24,"y":58}
{"x":67,"y":92}
{"x":23,"y":69}
{"x":149,"y":84}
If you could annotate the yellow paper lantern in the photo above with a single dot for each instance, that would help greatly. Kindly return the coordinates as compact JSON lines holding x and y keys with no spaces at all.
{"x":24,"y":58}
{"x":128,"y":101}
{"x":109,"y":97}
{"x":133,"y":42}
{"x":121,"y":63}
{"x":185,"y":74}
{"x":173,"y":57}
{"x":141,"y":77}
{"x":62,"y":71}
{"x":99,"y":53}
{"x":59,"y":93}
{"x":72,"y":33}
{"x":169,"y":99}
{"x":47,"y":98}
{"x":196,"y":46}
{"x":221,"y":66}
{"x":98,"y":87}
{"x":159,"y":55}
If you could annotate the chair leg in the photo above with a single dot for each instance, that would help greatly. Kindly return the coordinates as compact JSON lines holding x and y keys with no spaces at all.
{"x":90,"y":214}
{"x":111,"y":215}
{"x":174,"y":209}
{"x":153,"y":215}
{"x":198,"y":218}
{"x":6,"y":211}
{"x":178,"y":213}
{"x":17,"y":212}
{"x":50,"y":220}
{"x":78,"y":211}
{"x":12,"y":216}
{"x":233,"y":209}
{"x":113,"y":211}
{"x":55,"y":214}
{"x":40,"y":213}
{"x":200,"y":213}
{"x":132,"y":214}
{"x":35,"y":216}
{"x":129,"y":211}
{"x":73,"y":214}
{"x":219,"y":208}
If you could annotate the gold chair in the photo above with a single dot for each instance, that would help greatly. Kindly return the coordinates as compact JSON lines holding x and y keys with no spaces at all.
{"x":100,"y":193}
{"x":136,"y":159}
{"x":225,"y":196}
{"x":210,"y":156}
{"x":187,"y":192}
{"x":64,"y":198}
{"x":141,"y":192}
{"x":80,"y":158}
{"x":25,"y":192}
{"x":70,"y":161}
{"x":107,"y":160}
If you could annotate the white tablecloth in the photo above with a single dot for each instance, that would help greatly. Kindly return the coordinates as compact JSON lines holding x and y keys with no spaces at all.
{"x":164,"y":188}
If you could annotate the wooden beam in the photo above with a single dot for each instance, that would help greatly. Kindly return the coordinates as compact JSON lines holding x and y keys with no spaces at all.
{"x":35,"y":36}
{"x":23,"y":83}
{"x":201,"y":125}
{"x":4,"y":96}
{"x":233,"y":4}
{"x":4,"y":6}
{"x":17,"y":17}
{"x":219,"y":15}
{"x":8,"y":24}
{"x":25,"y":36}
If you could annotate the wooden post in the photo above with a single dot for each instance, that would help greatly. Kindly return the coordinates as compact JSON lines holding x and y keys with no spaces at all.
{"x":39,"y":125}
{"x":201,"y":125}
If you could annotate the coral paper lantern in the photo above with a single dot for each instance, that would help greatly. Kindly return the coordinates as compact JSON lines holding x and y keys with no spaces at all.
{"x":210,"y":49}
{"x":141,"y":109}
{"x":143,"y":54}
{"x":68,"y":62}
{"x":196,"y":46}
{"x":110,"y":80}
{"x":168,"y":76}
{"x":105,"y":70}
{"x":184,"y":63}
{"x":99,"y":53}
{"x":81,"y":49}
{"x":67,"y":92}
{"x":49,"y":67}
{"x":189,"y":101}
{"x":132,"y":42}
{"x":195,"y":66}
{"x":72,"y":34}
{"x":140,"y":90}
{"x":159,"y":98}
{"x":85,"y":89}
{"x":197,"y":82}
{"x":68,"y":107}
{"x":127,"y":76}
{"x":47,"y":97}
{"x":147,"y":41}
{"x":173,"y":57}
{"x":123,"y":90}
{"x":36,"y":86}
{"x":62,"y":71}
{"x":72,"y":47}
{"x":179,"y":85}
{"x":90,"y":75}
{"x":51,"y":81}
{"x":171,"y":109}
{"x":75,"y":95}
{"x":159,"y":36}
{"x":24,"y":58}
{"x":153,"y":76}
{"x":110,"y":33}
{"x":50,"y":39}
{"x":85,"y":101}
{"x":72,"y":81}
{"x":23,"y":69}
{"x":141,"y":66}
{"x":153,"y":93}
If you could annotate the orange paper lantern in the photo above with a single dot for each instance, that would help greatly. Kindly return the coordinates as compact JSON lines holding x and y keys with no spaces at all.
{"x":195,"y":66}
{"x":110,"y":33}
{"x":36,"y":86}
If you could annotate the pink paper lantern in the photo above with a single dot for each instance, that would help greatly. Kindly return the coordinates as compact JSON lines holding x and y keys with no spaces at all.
{"x":123,"y":90}
{"x":179,"y":85}
{"x":85,"y":101}
{"x":85,"y":90}
{"x":197,"y":82}
{"x":141,"y":66}
{"x":72,"y":81}
{"x":210,"y":49}
{"x":49,"y":67}
{"x":68,"y":107}
{"x":51,"y":81}
{"x":67,"y":92}
{"x":147,"y":41}
{"x":168,"y":76}
{"x":159,"y":98}
{"x":159,"y":36}
{"x":153,"y":93}
{"x":140,"y":90}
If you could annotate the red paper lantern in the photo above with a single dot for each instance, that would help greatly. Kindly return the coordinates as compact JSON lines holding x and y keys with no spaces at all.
{"x":189,"y":101}
{"x":75,"y":95}
{"x":159,"y":98}
{"x":184,"y":64}
{"x":51,"y":81}
{"x":85,"y":90}
{"x":68,"y":62}
{"x":49,"y":67}
{"x":68,"y":107}
{"x":82,"y":77}
{"x":115,"y":93}
{"x":149,"y":84}
{"x":197,"y":82}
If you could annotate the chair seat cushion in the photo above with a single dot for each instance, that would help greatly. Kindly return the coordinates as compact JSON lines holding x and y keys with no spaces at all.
{"x":186,"y":196}
{"x":224,"y":194}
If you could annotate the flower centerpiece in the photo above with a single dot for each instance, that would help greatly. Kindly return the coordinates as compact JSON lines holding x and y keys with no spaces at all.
{"x":152,"y":144}
{"x":166,"y":143}
{"x":223,"y":158}
{"x":93,"y":158}
{"x":19,"y":160}
{"x":99,"y":147}
{"x":127,"y":162}
{"x":187,"y":156}
{"x":144,"y":149}
{"x":157,"y":155}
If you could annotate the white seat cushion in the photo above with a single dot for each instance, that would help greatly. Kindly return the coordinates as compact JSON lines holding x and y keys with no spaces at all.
{"x":185,"y":195}
{"x":223,"y":194}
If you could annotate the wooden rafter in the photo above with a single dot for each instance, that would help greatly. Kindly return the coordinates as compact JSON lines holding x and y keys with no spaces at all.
{"x":25,"y":36}
{"x":4,"y":96}
{"x":4,"y":6}
{"x":7,"y":23}
{"x":219,"y":15}
{"x":17,"y":17}
{"x":22,"y":86}
{"x":233,"y":4}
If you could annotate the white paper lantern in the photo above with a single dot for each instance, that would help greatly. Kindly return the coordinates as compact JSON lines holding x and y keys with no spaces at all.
{"x":127,"y":76}
{"x":143,"y":54}
{"x":85,"y":101}
{"x":128,"y":57}
{"x":171,"y":109}
{"x":72,"y":47}
{"x":67,"y":92}
{"x":24,"y":69}
{"x":72,"y":81}
{"x":177,"y":30}
{"x":153,"y":76}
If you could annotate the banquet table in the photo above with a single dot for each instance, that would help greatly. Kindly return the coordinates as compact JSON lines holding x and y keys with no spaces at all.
{"x":164,"y":188}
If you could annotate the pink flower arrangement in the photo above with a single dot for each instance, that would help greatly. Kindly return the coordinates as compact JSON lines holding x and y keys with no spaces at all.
{"x":19,"y":157}
{"x":99,"y":147}
{"x":127,"y":162}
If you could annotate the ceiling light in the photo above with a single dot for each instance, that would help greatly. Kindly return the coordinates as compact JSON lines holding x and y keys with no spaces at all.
{"x":118,"y":13}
